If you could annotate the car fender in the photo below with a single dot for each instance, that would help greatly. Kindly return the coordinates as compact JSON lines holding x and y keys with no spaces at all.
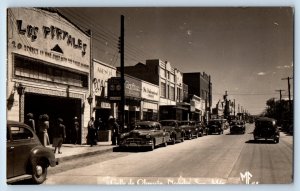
{"x":43,"y":152}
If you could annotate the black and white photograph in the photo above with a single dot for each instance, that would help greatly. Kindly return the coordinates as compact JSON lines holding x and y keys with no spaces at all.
{"x":143,"y":96}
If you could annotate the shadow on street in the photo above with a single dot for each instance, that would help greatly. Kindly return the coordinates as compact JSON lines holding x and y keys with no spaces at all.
{"x":260,"y":141}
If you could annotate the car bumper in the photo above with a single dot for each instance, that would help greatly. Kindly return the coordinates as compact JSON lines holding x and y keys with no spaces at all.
{"x":266,"y":137}
{"x":136,"y":143}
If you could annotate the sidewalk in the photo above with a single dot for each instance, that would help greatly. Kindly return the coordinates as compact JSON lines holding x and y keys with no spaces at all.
{"x":70,"y":151}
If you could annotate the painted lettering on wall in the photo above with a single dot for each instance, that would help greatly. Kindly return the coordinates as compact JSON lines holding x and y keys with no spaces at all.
{"x":51,"y":32}
{"x":99,"y":86}
{"x":33,"y":50}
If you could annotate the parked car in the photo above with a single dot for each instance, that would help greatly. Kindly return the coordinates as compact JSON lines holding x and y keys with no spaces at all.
{"x":190,"y":129}
{"x":202,"y":128}
{"x":266,"y":128}
{"x":237,"y":126}
{"x":175,"y":131}
{"x":26,"y":157}
{"x":215,"y":126}
{"x":147,"y":134}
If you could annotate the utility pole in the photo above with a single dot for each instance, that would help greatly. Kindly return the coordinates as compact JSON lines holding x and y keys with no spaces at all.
{"x":122,"y":109}
{"x":280,"y":95}
{"x":289,"y":91}
{"x":280,"y":106}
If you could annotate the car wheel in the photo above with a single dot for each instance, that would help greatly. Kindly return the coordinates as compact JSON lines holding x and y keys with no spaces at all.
{"x":201,"y":134}
{"x":165,"y":144}
{"x":39,"y":171}
{"x":152,"y":147}
{"x":174,"y":140}
{"x":182,"y":137}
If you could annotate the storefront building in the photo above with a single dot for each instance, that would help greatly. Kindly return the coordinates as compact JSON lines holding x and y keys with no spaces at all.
{"x":103,"y":107}
{"x":150,"y":101}
{"x":48,"y":68}
{"x":132,"y":100}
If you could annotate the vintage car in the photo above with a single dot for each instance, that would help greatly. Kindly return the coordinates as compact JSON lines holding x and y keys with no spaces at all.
{"x":26,"y":157}
{"x":215,"y":126}
{"x":237,"y":126}
{"x":147,"y":134}
{"x":175,"y":131}
{"x":190,"y":129}
{"x":266,"y":128}
{"x":202,"y":128}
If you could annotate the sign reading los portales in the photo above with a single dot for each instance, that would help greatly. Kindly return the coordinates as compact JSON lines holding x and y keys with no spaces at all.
{"x":48,"y":36}
{"x":50,"y":32}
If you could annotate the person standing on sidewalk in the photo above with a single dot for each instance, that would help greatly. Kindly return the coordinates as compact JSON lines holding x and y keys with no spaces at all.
{"x":30,"y":121}
{"x":91,"y":132}
{"x":59,"y":135}
{"x":76,"y":130}
{"x":115,"y":132}
{"x":43,"y":130}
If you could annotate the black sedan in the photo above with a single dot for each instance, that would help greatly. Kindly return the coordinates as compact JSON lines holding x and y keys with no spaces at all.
{"x":266,"y":128}
{"x":215,"y":126}
{"x":175,"y":131}
{"x":237,"y":127}
{"x":26,"y":158}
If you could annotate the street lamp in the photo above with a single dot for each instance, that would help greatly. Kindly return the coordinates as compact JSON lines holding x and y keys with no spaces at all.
{"x":21,"y":91}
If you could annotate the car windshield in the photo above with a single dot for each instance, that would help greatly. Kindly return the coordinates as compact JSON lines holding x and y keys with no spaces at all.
{"x":145,"y":126}
{"x":263,"y":124}
{"x":167,"y":123}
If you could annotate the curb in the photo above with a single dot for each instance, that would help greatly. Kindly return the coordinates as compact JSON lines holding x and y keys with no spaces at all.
{"x":80,"y":155}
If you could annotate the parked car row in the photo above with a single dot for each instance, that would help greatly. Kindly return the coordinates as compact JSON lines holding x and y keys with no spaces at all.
{"x":149,"y":134}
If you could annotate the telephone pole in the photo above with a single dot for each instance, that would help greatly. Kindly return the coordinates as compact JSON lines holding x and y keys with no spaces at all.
{"x":289,"y":91}
{"x":280,"y":106}
{"x":121,"y":44}
{"x":280,"y":97}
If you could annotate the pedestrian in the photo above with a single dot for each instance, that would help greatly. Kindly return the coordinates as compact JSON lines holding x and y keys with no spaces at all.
{"x":91,"y":132}
{"x":30,"y":121}
{"x":115,"y":132}
{"x":100,"y":124}
{"x":59,"y":135}
{"x":43,"y":130}
{"x":99,"y":127}
{"x":76,"y":129}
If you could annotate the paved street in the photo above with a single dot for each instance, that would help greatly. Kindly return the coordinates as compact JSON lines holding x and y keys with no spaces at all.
{"x":213,"y":159}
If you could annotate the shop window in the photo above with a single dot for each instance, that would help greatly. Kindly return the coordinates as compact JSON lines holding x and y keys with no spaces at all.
{"x":172,"y":93}
{"x":33,"y":69}
{"x":163,"y":90}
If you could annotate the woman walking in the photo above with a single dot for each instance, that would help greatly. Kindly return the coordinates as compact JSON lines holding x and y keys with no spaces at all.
{"x":43,"y":130}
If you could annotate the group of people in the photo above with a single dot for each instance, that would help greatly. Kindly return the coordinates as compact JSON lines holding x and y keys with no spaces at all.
{"x":59,"y":131}
{"x":95,"y":126}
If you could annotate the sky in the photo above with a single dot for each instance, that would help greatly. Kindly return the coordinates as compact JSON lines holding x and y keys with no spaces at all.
{"x":246,"y":51}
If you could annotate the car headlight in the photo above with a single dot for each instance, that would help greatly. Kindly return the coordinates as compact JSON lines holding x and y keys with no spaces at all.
{"x":148,"y":136}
